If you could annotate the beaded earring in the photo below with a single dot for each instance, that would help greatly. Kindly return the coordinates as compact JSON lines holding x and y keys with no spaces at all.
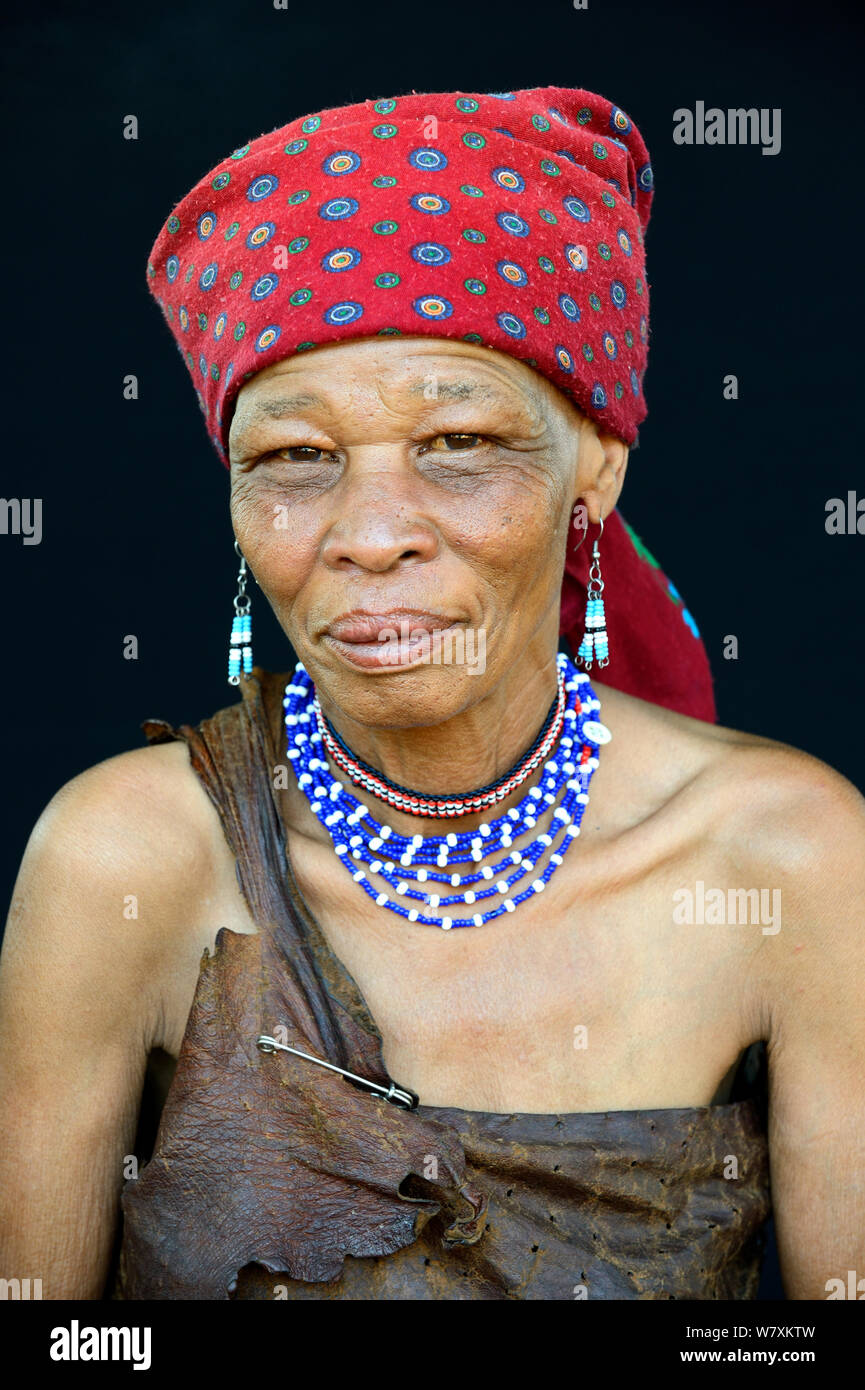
{"x":595,"y":644}
{"x":240,"y":642}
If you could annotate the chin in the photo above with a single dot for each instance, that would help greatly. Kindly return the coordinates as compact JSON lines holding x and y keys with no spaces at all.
{"x":398,"y":697}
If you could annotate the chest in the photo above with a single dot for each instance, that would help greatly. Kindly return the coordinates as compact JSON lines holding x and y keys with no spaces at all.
{"x":589,"y":997}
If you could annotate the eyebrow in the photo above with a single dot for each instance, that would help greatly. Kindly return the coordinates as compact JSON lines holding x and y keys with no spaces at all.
{"x":456,"y":390}
{"x":278,"y":407}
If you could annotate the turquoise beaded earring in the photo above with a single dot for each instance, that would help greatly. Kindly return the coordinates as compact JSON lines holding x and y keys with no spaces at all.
{"x":240,"y":642}
{"x":595,"y":644}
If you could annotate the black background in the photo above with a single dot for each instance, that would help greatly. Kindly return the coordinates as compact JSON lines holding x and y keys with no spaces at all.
{"x":755,"y":267}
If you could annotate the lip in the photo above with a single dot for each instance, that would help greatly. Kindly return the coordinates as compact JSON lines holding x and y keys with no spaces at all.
{"x":361,"y":625}
{"x":367,"y":640}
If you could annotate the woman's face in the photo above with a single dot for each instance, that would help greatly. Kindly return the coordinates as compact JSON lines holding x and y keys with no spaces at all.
{"x":386,"y":489}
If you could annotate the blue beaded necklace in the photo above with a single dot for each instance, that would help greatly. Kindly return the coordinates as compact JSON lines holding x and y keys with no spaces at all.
{"x":367,"y":847}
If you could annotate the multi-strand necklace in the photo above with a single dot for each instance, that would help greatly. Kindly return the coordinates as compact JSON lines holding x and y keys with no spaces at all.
{"x":460,"y":803}
{"x":419,"y":869}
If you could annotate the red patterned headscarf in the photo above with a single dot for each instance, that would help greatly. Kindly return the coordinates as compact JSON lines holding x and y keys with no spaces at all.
{"x":514,"y":220}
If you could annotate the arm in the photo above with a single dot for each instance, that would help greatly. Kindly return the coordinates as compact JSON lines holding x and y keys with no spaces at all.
{"x":83,"y":989}
{"x":813,"y":984}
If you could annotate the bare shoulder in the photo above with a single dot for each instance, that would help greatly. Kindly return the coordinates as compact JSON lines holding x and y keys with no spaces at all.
{"x":117,"y":886}
{"x":111,"y":912}
{"x":780,"y":812}
{"x":141,"y":816}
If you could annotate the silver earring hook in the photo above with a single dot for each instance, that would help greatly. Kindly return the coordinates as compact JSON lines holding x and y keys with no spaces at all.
{"x":586,"y":532}
{"x":242,"y":600}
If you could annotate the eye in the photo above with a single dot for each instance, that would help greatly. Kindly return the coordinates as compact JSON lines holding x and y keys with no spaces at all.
{"x":299,"y":453}
{"x":454,"y":443}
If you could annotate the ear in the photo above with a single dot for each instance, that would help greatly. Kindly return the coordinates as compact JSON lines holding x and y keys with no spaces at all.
{"x":601,"y":471}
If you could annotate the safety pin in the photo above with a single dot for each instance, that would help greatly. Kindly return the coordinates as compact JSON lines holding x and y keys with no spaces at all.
{"x":397,"y":1095}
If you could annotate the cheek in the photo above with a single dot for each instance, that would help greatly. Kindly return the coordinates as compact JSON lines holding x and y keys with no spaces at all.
{"x":513,"y":532}
{"x":277,"y":539}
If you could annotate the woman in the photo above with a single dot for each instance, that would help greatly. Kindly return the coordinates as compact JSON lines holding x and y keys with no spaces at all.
{"x":539,"y":918}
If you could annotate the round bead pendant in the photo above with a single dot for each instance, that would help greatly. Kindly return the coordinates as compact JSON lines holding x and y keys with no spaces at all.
{"x":596,"y":732}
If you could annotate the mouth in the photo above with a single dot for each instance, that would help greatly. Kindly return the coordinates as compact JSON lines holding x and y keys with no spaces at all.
{"x":386,"y":641}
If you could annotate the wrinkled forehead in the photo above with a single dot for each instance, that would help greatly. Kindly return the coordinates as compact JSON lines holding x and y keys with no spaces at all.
{"x":408,"y":373}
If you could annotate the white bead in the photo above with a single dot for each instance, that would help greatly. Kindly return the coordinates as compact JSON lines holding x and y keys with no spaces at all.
{"x":539,"y":885}
{"x":405,"y":860}
{"x":413,"y":915}
{"x":596,"y":732}
{"x":417,"y":841}
{"x":509,"y":906}
{"x":375,"y":866}
{"x":476,"y":842}
{"x":434,"y":900}
{"x":486,"y":871}
{"x":358,"y":875}
{"x":556,"y":859}
{"x":390,"y":867}
{"x":442,"y":861}
{"x":447,"y":923}
{"x":514,"y":813}
{"x":375,"y":843}
{"x":386,"y":832}
{"x":341,"y":849}
{"x":468,"y":896}
{"x":381,"y":900}
{"x":455,"y":878}
{"x":562,"y":814}
{"x":402,"y":887}
{"x":478,"y":920}
{"x":573,"y":831}
{"x":484,"y":830}
{"x":515,"y":856}
{"x":304,"y":779}
{"x":356,"y":840}
{"x":451,"y":839}
{"x":502,"y":886}
{"x":422,"y":875}
{"x":545,"y":839}
{"x":477,"y":855}
{"x":526,"y":864}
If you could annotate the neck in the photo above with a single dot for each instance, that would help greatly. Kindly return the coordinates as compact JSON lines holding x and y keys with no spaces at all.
{"x":472,"y":749}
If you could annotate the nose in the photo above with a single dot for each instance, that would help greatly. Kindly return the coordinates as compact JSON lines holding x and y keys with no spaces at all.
{"x":379,"y":526}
